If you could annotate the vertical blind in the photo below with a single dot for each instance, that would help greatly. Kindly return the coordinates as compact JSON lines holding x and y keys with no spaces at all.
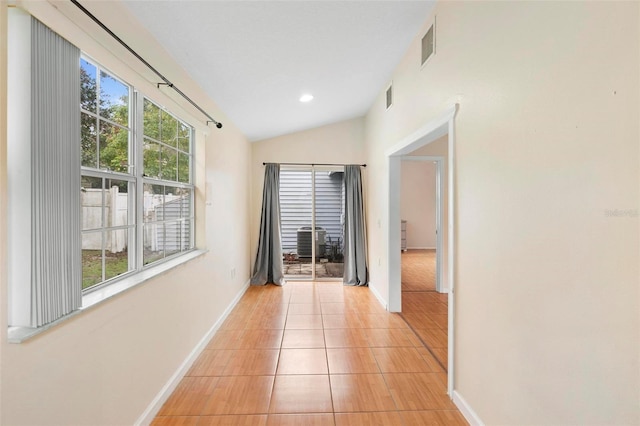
{"x":55,"y":186}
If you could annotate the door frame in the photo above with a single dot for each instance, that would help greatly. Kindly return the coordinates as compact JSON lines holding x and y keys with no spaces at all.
{"x":431,"y":131}
{"x":438,"y":160}
{"x":312,"y":168}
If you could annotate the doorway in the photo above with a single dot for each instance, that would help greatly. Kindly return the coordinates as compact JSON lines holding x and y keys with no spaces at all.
{"x":442,"y":126}
{"x":422,"y":198}
{"x":312,"y":222}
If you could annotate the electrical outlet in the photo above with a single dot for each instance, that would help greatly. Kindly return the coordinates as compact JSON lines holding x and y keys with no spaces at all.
{"x":233,"y":273}
{"x":379,"y":262}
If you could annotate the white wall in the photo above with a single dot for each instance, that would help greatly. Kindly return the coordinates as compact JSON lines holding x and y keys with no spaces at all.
{"x":547,"y":137}
{"x":418,"y":203}
{"x":440,"y":148}
{"x":341,"y":143}
{"x":105,"y":365}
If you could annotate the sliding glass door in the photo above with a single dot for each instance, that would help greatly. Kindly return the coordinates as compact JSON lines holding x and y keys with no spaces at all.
{"x":312,"y":220}
{"x":296,"y":217}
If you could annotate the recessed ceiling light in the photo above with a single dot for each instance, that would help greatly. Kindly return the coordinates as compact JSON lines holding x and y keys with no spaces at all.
{"x":306,"y":98}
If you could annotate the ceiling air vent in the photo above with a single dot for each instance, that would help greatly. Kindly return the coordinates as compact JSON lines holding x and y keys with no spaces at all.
{"x":429,"y":43}
{"x":389,"y":96}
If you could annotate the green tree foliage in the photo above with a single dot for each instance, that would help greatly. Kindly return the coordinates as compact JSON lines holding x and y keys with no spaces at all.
{"x":88,"y":133}
{"x":112,"y":152}
{"x":164,"y":160}
{"x":105,"y":144}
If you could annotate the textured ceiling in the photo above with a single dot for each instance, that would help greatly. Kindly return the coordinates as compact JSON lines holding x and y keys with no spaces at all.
{"x":256,"y":58}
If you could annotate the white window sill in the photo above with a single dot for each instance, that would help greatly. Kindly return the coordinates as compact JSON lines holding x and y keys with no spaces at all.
{"x":89,"y":300}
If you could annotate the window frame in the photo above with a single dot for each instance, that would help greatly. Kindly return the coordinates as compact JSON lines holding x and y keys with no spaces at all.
{"x":137,"y":181}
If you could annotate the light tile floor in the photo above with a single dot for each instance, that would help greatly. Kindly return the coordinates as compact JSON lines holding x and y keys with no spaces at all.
{"x":422,"y":308}
{"x":315,"y":354}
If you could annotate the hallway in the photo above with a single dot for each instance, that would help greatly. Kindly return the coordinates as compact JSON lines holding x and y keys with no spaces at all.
{"x":313,"y":353}
{"x":424,"y":309}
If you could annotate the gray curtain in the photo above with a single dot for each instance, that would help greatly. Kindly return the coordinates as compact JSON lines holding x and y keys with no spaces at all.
{"x":56,"y":268}
{"x":268,"y":265}
{"x":355,"y":238}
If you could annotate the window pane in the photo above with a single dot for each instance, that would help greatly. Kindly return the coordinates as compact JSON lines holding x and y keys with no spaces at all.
{"x":174,"y":200}
{"x":153,"y":202}
{"x":88,"y":86}
{"x":186,"y":235}
{"x":114,"y":147}
{"x":184,"y":137}
{"x":185,"y":202}
{"x":169,"y":163}
{"x":91,"y":197}
{"x":169,"y":129}
{"x":172,"y":238}
{"x":116,"y":256}
{"x":151,"y":159}
{"x":116,"y":202}
{"x":91,"y":259}
{"x":183,"y":168}
{"x":151,"y":120}
{"x":114,"y":99}
{"x":153,"y":242}
{"x":89,"y":138}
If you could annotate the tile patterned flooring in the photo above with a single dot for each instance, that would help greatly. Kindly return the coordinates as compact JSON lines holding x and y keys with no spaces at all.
{"x":422,"y":308}
{"x":317,"y":354}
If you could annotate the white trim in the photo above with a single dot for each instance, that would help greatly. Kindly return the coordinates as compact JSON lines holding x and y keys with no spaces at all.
{"x":394,"y":256}
{"x":440,"y":283}
{"x":154,"y":407}
{"x":420,"y":248}
{"x":378,"y":296}
{"x":431,"y":131}
{"x":106,"y":292}
{"x":466,"y":410}
{"x":450,"y":255}
{"x":18,"y":170}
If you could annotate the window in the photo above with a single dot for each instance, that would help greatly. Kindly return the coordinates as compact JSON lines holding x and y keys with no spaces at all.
{"x":135,"y":211}
{"x":168,"y":192}
{"x":100,"y":180}
{"x":107,"y":184}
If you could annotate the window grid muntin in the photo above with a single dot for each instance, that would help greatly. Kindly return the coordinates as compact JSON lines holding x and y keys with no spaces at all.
{"x":162,"y":223}
{"x":135,"y":177}
{"x":146,"y":137}
{"x":104,"y":230}
{"x":101,"y":119}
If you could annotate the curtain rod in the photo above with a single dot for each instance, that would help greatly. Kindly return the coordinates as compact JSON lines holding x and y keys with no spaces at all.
{"x":134,"y":53}
{"x":315,"y":164}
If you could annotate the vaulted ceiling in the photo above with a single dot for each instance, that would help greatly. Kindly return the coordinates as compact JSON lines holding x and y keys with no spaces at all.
{"x":255,"y":59}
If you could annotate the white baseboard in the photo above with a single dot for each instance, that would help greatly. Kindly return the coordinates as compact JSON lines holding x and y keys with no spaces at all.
{"x":379,"y":297}
{"x":149,"y":414}
{"x":466,"y":410}
{"x":444,"y":290}
{"x":421,"y":248}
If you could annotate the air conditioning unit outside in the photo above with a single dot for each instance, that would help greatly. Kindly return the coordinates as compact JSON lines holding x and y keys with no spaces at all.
{"x":305,"y":238}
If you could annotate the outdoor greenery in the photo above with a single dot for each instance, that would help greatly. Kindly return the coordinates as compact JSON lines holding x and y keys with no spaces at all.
{"x":115,"y":264}
{"x":105,"y":133}
{"x":107,"y":141}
